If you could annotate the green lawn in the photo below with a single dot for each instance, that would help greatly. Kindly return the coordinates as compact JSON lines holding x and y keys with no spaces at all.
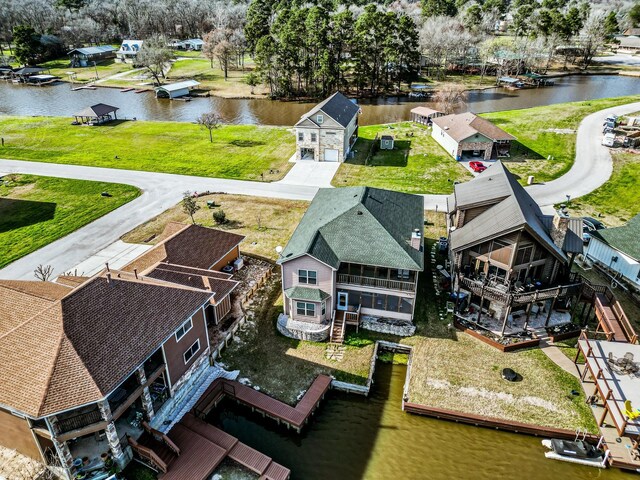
{"x":106,"y":68}
{"x":548,"y":131}
{"x":417,"y":164}
{"x":35,"y":211}
{"x":238,"y":151}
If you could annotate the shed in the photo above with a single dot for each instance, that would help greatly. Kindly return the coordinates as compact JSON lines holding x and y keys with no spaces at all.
{"x":96,"y":114}
{"x":175,"y":90}
{"x":424,"y":115}
{"x":83,"y":57}
{"x":386,"y":142}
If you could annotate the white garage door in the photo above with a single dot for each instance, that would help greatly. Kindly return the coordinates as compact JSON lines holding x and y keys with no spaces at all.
{"x":330,"y":155}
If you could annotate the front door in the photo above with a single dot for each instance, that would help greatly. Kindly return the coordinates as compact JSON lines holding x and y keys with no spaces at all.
{"x":343,"y":301}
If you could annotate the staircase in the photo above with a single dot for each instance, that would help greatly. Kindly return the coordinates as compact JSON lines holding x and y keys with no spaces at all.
{"x":338,"y":328}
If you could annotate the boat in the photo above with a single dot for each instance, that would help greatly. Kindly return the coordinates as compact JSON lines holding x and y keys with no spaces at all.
{"x":577,"y":451}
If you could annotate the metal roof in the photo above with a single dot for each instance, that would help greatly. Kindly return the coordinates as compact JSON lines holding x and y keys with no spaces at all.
{"x":172,"y":87}
{"x":360,"y":225}
{"x":97,"y":110}
{"x":337,"y":106}
{"x":94,"y":50}
{"x":425,"y":111}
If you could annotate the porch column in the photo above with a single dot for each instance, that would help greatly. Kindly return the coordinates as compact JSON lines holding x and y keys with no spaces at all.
{"x":147,"y":403}
{"x":553,"y":304}
{"x":64,"y":454}
{"x":111,"y":433}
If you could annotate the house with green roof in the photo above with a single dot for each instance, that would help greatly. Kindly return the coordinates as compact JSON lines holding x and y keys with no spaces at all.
{"x":356,"y":253}
{"x":618,"y":251}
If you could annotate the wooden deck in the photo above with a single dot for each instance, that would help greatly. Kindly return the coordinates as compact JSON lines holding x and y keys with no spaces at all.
{"x":612,"y":320}
{"x":295,"y":417}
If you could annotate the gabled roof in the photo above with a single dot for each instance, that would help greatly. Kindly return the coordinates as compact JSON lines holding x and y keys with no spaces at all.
{"x":218,"y":283}
{"x":189,"y":245}
{"x":425,"y":111}
{"x":511,"y":209}
{"x":632,"y":31}
{"x":337,"y":106}
{"x":360,"y":225}
{"x":172,"y":87}
{"x":97,"y":110}
{"x":465,"y":125}
{"x":625,"y":239}
{"x":77,"y":349}
{"x":29,"y":70}
{"x":93,"y":50}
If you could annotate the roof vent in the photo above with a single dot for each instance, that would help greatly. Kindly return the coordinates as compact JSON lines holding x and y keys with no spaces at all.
{"x":359,"y":212}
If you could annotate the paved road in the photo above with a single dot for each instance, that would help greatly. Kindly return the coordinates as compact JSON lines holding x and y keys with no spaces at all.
{"x":619,"y":59}
{"x":591,"y":169}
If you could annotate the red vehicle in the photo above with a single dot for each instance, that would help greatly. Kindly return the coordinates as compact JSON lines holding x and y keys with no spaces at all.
{"x":477,"y":166}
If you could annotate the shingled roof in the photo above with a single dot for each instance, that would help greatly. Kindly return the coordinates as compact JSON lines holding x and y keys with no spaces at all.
{"x":337,"y":106}
{"x":624,"y":238}
{"x":76,"y":349}
{"x":363,"y":225}
{"x":189,"y":245}
{"x":464,"y":125}
{"x":512,"y":209}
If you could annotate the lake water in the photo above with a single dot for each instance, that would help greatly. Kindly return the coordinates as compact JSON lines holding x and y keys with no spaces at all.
{"x":353,"y":438}
{"x":59,"y":100}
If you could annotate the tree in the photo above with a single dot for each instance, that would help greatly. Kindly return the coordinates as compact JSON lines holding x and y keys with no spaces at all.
{"x":189,"y":205}
{"x":253,"y":80}
{"x":450,"y":97}
{"x":211,"y":121}
{"x":258,"y":22}
{"x":43,"y":272}
{"x":593,"y":37}
{"x":27,"y":44}
{"x":434,"y":8}
{"x":634,"y":14}
{"x":154,"y":56}
{"x":611,"y":25}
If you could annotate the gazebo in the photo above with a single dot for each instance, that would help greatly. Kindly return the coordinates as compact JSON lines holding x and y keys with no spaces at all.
{"x":96,"y":114}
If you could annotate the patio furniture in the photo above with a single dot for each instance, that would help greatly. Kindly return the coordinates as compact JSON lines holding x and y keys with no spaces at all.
{"x":629,"y":411}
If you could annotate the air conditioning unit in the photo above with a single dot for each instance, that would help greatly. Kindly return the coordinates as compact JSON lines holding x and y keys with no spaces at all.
{"x":238,"y":263}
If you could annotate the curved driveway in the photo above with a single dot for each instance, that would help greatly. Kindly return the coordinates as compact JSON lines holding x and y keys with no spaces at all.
{"x":592,"y":168}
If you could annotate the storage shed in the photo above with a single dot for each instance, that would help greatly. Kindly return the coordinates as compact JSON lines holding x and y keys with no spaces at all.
{"x":175,"y":90}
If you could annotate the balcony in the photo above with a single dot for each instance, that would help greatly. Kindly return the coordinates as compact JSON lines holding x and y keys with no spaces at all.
{"x":79,"y":419}
{"x":382,"y":283}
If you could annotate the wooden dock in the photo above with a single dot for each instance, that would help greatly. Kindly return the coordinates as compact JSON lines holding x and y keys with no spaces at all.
{"x":293,"y":417}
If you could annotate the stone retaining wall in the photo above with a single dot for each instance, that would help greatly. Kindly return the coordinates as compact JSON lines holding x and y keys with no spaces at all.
{"x":392,"y":327}
{"x":302,"y":330}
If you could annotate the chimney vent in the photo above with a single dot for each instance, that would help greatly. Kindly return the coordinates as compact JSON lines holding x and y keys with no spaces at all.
{"x":416,"y":239}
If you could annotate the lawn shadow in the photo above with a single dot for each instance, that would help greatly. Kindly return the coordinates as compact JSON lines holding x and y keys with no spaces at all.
{"x":520,"y":153}
{"x":16,"y":213}
{"x":246,"y":143}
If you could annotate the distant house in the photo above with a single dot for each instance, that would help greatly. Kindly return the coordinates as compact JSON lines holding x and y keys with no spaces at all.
{"x":424,"y":115}
{"x":629,"y":44}
{"x":176,"y":90}
{"x":617,"y":250}
{"x":328,"y":131}
{"x":386,"y":142}
{"x":86,"y":56}
{"x":466,"y":134}
{"x":190,"y":44}
{"x":357,"y":252}
{"x":128,"y":50}
{"x":84,"y":360}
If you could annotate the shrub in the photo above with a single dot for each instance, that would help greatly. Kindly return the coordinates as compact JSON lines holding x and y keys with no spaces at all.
{"x":220,"y":217}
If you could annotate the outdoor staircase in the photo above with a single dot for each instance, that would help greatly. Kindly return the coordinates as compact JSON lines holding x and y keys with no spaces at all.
{"x":337,"y":331}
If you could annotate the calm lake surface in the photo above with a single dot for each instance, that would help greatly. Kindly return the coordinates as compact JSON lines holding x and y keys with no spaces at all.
{"x":59,"y":100}
{"x":353,"y":437}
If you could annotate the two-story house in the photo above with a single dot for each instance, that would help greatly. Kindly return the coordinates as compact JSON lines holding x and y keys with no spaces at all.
{"x":328,"y":131}
{"x":356,"y":252}
{"x":511,"y":259}
{"x":86,"y":360}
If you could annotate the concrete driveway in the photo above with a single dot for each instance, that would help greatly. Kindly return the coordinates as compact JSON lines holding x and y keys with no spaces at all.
{"x":310,"y":173}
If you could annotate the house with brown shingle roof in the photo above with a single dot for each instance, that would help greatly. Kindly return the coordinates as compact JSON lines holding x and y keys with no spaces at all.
{"x":468,"y":135}
{"x":84,"y":360}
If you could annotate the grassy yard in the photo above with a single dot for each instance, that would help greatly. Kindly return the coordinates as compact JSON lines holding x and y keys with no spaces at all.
{"x":106,"y":68}
{"x":238,"y":151}
{"x":548,"y":131}
{"x":35,"y":211}
{"x":618,"y":200}
{"x":266,"y":222}
{"x":417,"y":164}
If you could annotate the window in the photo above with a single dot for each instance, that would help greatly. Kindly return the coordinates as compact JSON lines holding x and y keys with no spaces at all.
{"x":313,"y":137}
{"x":307,"y":276}
{"x":184,"y":328}
{"x":320,"y":119}
{"x":300,"y":136}
{"x":523,"y":255}
{"x":306,"y":309}
{"x":324,"y":309}
{"x":406,"y":305}
{"x":193,"y":349}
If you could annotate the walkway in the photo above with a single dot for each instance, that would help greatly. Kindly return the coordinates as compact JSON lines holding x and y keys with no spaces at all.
{"x":295,"y":417}
{"x":591,"y":169}
{"x":555,"y":354}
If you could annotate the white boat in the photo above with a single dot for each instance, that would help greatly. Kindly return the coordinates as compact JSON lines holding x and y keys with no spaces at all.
{"x":578,"y":451}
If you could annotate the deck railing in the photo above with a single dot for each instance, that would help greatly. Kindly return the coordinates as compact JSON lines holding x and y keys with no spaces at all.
{"x":148,"y":455}
{"x":491,"y":291}
{"x":80,"y":420}
{"x":376,"y":282}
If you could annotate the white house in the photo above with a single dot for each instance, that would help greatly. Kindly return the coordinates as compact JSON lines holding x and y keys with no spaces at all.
{"x":128,"y":50}
{"x":617,"y":250}
{"x":328,"y":131}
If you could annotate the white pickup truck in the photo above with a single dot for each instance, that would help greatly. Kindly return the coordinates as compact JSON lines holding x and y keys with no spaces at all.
{"x":609,"y":139}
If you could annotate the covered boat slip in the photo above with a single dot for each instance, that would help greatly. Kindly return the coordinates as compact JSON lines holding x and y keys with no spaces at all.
{"x":176,"y":90}
{"x":96,"y":114}
{"x":614,"y":368}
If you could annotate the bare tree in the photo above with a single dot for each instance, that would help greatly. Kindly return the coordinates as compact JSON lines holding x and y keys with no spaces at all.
{"x":450,"y":97}
{"x":189,"y":205}
{"x":211,"y":121}
{"x":43,"y":272}
{"x":593,"y":37}
{"x":154,"y":56}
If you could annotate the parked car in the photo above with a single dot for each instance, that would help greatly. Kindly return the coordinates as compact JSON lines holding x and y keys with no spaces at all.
{"x":477,"y":166}
{"x":590,"y":225}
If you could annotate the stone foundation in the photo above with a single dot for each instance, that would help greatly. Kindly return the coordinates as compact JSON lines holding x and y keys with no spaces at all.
{"x":311,"y":332}
{"x":402,"y":328}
